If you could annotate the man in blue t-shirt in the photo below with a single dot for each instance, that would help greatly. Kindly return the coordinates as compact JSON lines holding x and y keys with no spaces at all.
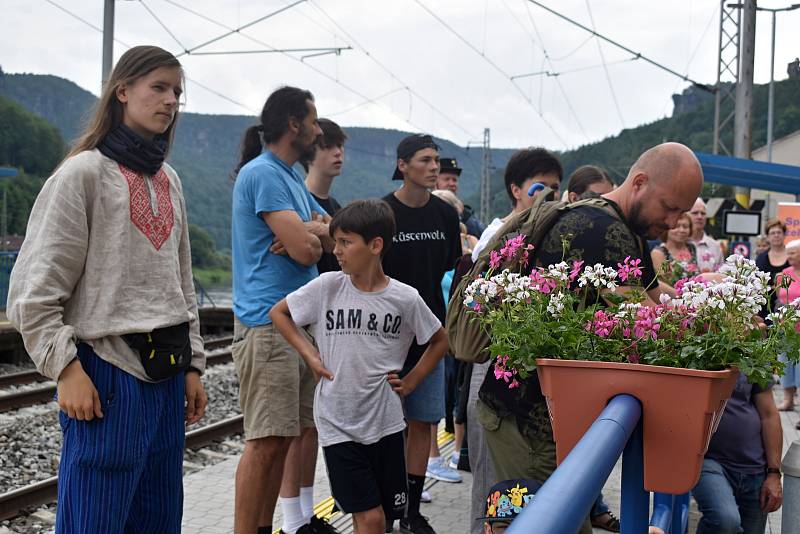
{"x":279,"y":234}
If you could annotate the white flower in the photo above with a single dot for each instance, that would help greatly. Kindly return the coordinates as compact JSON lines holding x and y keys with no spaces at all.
{"x":559,"y":271}
{"x":598,"y":276}
{"x":556,"y":304}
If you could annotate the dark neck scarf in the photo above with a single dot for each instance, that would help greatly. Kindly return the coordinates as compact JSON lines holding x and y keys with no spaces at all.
{"x":130,"y":149}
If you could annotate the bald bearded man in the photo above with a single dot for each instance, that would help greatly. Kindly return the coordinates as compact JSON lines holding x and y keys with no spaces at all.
{"x":662,"y":184}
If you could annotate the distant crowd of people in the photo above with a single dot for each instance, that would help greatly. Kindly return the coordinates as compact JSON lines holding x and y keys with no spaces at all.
{"x":338,"y":338}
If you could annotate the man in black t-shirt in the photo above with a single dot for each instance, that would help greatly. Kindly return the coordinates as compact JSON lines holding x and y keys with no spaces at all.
{"x":426,"y":244}
{"x":325,"y":165}
{"x":661,"y":185}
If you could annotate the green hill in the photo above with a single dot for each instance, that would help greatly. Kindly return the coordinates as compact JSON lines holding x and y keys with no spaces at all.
{"x":34,"y":147}
{"x":206,"y":150}
{"x":206,"y":146}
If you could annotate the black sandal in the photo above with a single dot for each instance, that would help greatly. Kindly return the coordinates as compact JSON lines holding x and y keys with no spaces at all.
{"x":611,"y":524}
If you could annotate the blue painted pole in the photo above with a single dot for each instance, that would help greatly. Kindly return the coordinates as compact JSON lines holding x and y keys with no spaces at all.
{"x":635,"y":507}
{"x":663,"y":512}
{"x":563,"y":502}
{"x":680,"y":514}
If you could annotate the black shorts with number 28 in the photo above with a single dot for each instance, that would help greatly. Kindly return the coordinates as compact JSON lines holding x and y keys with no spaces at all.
{"x":365,"y":476}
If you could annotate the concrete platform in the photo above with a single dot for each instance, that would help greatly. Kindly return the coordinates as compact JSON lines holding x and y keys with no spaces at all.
{"x":209,"y":495}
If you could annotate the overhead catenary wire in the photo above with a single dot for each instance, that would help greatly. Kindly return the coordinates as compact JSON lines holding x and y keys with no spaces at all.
{"x":714,"y":15}
{"x":656,"y":64}
{"x":496,"y":67}
{"x":126,"y":45}
{"x":231,"y":31}
{"x":605,"y":67}
{"x":394,"y":76}
{"x":551,"y":74}
{"x":307,"y":64}
{"x":160,"y":23}
{"x":558,"y":82}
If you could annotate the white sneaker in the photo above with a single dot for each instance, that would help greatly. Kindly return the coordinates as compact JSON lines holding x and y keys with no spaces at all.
{"x":439,"y":471}
{"x":425,"y":497}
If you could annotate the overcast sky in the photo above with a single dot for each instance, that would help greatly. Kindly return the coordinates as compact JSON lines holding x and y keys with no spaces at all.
{"x":420,"y":74}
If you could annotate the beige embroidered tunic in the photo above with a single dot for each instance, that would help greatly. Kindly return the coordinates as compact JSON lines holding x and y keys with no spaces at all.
{"x":106,"y":253}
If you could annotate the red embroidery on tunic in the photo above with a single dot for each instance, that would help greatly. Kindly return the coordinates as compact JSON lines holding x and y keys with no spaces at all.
{"x":156,"y":229}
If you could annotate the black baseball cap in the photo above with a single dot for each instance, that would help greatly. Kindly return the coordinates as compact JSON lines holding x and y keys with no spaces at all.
{"x":449,"y":165}
{"x":411,"y":145}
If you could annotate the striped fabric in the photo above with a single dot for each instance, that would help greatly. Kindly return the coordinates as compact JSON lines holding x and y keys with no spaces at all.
{"x":123,"y":473}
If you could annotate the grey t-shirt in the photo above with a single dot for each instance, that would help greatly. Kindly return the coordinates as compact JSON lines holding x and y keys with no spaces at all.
{"x":362,"y":336}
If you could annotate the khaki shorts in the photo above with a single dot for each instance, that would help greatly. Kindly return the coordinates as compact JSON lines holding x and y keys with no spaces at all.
{"x":276,"y":388}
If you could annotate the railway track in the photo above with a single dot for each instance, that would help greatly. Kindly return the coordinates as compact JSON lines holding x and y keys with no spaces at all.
{"x":29,"y":397}
{"x":45,"y":491}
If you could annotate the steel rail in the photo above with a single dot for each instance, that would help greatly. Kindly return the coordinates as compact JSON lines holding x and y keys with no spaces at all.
{"x":29,"y":397}
{"x":45,"y":491}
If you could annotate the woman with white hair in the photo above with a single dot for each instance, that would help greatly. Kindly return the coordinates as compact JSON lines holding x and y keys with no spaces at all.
{"x":791,"y":372}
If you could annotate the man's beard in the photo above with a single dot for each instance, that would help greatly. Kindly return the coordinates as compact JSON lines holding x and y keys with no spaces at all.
{"x":305,"y":150}
{"x":637,"y":222}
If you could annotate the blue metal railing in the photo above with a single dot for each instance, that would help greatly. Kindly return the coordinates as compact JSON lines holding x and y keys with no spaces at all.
{"x":563,"y":502}
{"x":7,"y":260}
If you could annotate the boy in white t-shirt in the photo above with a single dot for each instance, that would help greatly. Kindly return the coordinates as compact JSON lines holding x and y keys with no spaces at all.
{"x":363,"y":322}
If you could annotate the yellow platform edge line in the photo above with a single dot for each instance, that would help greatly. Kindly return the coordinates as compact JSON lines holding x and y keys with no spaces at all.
{"x":324,"y":508}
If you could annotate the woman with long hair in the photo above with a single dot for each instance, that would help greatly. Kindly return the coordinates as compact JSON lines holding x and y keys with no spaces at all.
{"x":102,"y":293}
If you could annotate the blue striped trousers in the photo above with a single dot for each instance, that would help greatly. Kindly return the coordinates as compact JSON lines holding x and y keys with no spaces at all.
{"x":123,"y":473}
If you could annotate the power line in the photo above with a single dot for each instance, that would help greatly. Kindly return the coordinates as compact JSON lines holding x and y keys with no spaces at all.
{"x":388,"y":71}
{"x":685,"y":77}
{"x":552,"y":74}
{"x":694,"y":53}
{"x":126,"y":45}
{"x":240,"y":28}
{"x":366,"y":102}
{"x":558,"y":82}
{"x":326,"y":50}
{"x":605,"y":67}
{"x":315,"y":69}
{"x":496,"y":67}
{"x":158,"y":20}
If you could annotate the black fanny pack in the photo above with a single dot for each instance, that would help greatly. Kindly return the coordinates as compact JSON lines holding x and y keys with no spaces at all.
{"x":164,"y":352}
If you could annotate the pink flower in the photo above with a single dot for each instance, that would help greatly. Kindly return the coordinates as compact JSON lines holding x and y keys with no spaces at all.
{"x":541,"y":283}
{"x":576,"y":270}
{"x":501,"y":372}
{"x":494,"y":260}
{"x":513,"y":246}
{"x":646,"y":324}
{"x":629,"y":269}
{"x":601,"y":325}
{"x":633,"y":358}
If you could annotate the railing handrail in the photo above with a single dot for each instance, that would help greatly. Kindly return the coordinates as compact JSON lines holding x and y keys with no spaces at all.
{"x":563,"y":502}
